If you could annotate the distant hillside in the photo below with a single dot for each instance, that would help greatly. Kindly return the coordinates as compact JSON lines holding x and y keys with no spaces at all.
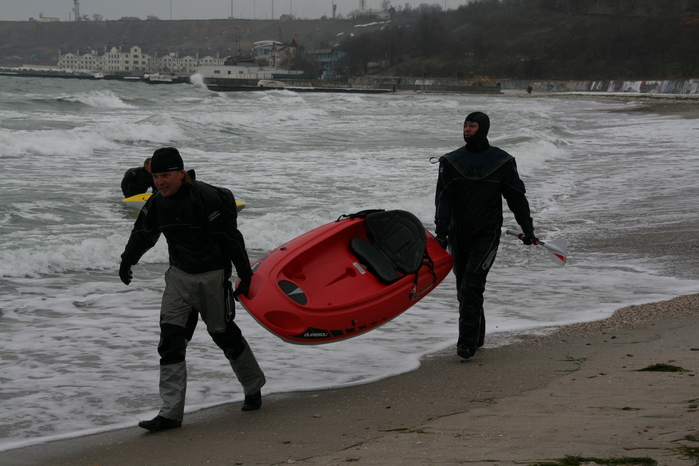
{"x":21,"y":42}
{"x":537,"y":39}
{"x":500,"y":39}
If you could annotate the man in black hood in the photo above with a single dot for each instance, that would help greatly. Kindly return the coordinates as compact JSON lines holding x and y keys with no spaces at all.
{"x":472,"y":182}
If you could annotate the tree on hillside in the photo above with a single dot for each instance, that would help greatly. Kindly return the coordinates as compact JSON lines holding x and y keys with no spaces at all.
{"x":530,"y":39}
{"x":430,"y":29}
{"x":361,"y":50}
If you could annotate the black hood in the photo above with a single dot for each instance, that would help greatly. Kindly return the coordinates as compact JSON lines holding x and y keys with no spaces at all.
{"x":479,"y":141}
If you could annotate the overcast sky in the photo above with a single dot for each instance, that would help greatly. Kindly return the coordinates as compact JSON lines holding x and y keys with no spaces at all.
{"x":22,"y":10}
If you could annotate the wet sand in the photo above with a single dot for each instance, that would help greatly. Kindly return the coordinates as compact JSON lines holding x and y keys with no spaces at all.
{"x":575,"y":392}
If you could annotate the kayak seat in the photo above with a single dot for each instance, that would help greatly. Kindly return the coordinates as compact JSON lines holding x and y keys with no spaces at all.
{"x":374,"y":260}
{"x":396,"y":245}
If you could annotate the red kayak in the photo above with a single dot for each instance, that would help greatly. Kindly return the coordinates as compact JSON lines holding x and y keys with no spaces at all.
{"x":345,"y":278}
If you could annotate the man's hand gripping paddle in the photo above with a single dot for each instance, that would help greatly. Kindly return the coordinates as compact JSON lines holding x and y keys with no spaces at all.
{"x":557,"y":248}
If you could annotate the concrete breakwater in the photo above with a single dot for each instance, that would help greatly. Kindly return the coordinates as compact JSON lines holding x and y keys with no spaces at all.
{"x":477,"y":85}
{"x":679,"y":86}
{"x":472,"y":86}
{"x":487,"y":85}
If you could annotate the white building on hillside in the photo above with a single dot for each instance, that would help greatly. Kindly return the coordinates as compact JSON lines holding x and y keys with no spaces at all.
{"x":134,"y":61}
{"x":373,"y":14}
{"x":245,"y":72}
{"x":262,"y":49}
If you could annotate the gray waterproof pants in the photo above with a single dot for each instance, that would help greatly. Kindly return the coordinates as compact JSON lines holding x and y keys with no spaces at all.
{"x":185,"y":297}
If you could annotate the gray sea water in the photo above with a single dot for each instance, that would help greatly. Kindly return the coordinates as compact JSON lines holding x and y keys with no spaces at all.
{"x":78,"y":348}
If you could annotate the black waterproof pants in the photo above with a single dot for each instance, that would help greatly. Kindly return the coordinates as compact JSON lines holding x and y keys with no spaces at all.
{"x":474,"y":252}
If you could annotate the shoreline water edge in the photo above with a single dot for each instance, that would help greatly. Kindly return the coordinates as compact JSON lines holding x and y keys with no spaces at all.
{"x":582,"y":391}
{"x":576,"y":391}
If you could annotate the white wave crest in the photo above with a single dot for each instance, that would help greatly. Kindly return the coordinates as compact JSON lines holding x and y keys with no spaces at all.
{"x":87,"y":254}
{"x":98,"y":99}
{"x":197,"y":80}
{"x":76,"y":142}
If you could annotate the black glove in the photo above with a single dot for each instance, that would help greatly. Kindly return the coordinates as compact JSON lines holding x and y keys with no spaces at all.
{"x":442,"y":240}
{"x":528,"y":238}
{"x":243,"y":287}
{"x":125,"y":272}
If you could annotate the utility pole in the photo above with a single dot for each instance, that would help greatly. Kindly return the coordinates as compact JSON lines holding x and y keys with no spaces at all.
{"x":76,"y":9}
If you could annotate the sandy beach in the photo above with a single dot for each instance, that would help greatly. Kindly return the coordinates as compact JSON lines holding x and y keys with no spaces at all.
{"x":578,"y":393}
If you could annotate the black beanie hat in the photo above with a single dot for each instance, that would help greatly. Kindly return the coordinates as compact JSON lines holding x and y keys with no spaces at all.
{"x":166,"y":159}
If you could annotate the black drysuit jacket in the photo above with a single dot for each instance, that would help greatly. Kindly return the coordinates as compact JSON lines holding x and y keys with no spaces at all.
{"x":136,"y":181}
{"x":199,"y":222}
{"x":470,"y":189}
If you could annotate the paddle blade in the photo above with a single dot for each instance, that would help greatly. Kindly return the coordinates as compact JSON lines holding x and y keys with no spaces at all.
{"x":557,"y":250}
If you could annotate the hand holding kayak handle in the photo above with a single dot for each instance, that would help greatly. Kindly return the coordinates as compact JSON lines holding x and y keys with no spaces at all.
{"x":243,"y":287}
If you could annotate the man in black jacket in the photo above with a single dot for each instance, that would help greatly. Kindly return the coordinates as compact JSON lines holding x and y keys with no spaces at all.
{"x":137,"y":180}
{"x":199,"y":224}
{"x":472,"y":182}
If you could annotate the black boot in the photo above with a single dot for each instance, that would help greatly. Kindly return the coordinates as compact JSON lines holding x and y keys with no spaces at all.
{"x":159,"y":423}
{"x":464,"y":352}
{"x":252,"y":402}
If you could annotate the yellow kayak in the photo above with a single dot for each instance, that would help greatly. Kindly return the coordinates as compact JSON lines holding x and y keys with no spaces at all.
{"x":138,"y":200}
